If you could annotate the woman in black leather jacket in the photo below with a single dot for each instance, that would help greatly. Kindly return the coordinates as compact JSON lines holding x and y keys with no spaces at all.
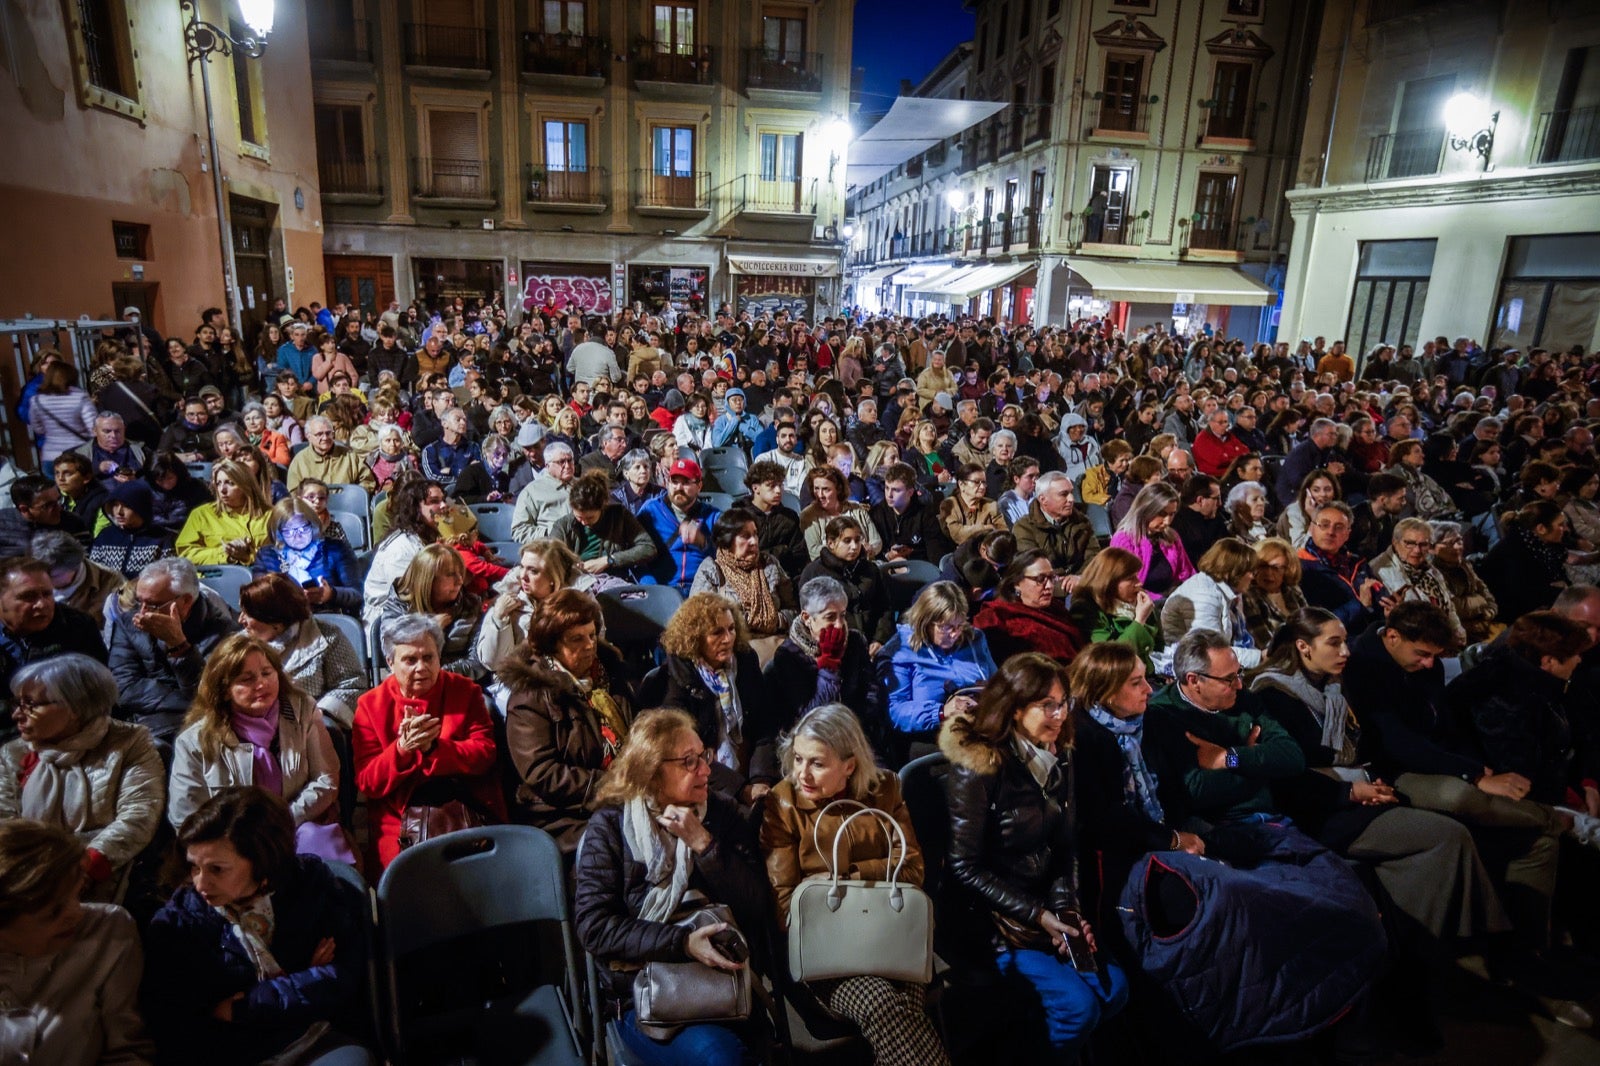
{"x":1011,"y":846}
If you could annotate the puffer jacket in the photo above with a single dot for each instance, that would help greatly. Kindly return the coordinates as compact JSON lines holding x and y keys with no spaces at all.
{"x":119,"y":816}
{"x":677,"y":683}
{"x":1011,"y":842}
{"x":792,"y":827}
{"x":1070,"y":543}
{"x":1203,"y":602}
{"x":919,"y":680}
{"x":331,"y":559}
{"x":194,"y":961}
{"x":304,"y":752}
{"x":323,"y":664}
{"x":611,"y":887}
{"x":554,"y":740}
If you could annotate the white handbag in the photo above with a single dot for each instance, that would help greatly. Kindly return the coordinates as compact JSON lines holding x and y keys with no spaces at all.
{"x":847,"y":928}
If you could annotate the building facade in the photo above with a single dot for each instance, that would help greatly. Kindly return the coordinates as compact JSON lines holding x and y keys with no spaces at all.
{"x":1450,"y":180}
{"x":1138,"y":169}
{"x":105,"y":186}
{"x":678,"y":153}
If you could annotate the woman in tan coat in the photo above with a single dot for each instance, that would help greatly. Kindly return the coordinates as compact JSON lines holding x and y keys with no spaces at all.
{"x":825,"y":758}
{"x":967,"y":512}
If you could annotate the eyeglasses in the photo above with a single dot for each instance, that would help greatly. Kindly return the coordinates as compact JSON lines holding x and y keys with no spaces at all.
{"x":1232,"y":680}
{"x":1416,"y":544}
{"x":34,"y":708}
{"x":691,"y":763}
{"x":1051,"y":708}
{"x":1043,"y":579}
{"x":950,"y":629}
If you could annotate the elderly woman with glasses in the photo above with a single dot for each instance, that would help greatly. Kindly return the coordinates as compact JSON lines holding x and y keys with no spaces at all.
{"x":1028,"y":612}
{"x":76,"y":767}
{"x":662,"y":843}
{"x":1274,"y":593}
{"x":967,"y":512}
{"x":1474,"y":604}
{"x":1408,"y":573}
{"x":325,"y":567}
{"x":934,"y":654}
{"x":1012,"y":850}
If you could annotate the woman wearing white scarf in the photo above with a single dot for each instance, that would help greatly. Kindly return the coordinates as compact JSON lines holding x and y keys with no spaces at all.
{"x":76,"y":768}
{"x":661,"y":844}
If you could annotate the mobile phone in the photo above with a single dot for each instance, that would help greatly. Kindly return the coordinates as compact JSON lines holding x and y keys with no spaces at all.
{"x":1078,"y":951}
{"x":730,"y":945}
{"x":308,"y":584}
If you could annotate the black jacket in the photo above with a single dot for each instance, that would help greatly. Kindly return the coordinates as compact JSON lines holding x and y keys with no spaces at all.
{"x":781,"y":537}
{"x":1199,"y":533}
{"x":797,"y":685}
{"x":1409,"y":726}
{"x":611,"y":887}
{"x":676,"y":683}
{"x":918,"y":529}
{"x":1518,"y":715}
{"x":868,"y":597}
{"x":1319,"y":802}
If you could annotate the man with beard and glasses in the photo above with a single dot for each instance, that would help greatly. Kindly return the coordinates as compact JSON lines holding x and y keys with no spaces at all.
{"x":681,"y":526}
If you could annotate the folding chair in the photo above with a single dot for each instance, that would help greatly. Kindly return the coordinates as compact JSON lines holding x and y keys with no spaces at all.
{"x":494,"y":520}
{"x":635,"y":616}
{"x":343,"y":871}
{"x":720,"y":500}
{"x":355,"y":529}
{"x":509,"y":550}
{"x":728,"y":479}
{"x":350,"y":499}
{"x":353,"y":631}
{"x":725,"y":458}
{"x":460,"y":918}
{"x":1099,"y":519}
{"x":906,"y":578}
{"x":226,"y":581}
{"x":791,"y":501}
{"x":380,"y":665}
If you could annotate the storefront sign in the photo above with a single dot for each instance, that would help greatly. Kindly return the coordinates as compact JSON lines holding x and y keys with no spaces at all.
{"x":768,"y":295}
{"x":804,"y":268}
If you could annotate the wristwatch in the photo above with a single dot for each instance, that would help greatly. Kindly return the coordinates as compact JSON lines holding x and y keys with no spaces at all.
{"x":1231,"y":759}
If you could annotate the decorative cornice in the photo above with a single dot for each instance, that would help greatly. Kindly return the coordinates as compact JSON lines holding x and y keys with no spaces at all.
{"x":1239,"y":43}
{"x":1129,"y":32}
{"x":1472,"y":189}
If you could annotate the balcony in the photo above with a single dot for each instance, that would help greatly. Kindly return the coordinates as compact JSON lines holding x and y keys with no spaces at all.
{"x":447,"y":48}
{"x":560,"y":57}
{"x":1569,"y":136}
{"x":341,"y":44}
{"x":463,"y":181}
{"x":1121,"y":114}
{"x":1115,"y":228}
{"x":580,"y":190}
{"x":787,"y":197}
{"x":686,"y":193}
{"x":1405,"y":154}
{"x":775,"y":71}
{"x":1230,"y":125}
{"x":657,"y":64}
{"x":351,"y":180}
{"x":1217,"y":237}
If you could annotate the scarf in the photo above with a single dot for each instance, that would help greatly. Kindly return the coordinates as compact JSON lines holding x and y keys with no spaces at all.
{"x":1425,"y":580}
{"x":668,"y":862}
{"x":1327,"y":706}
{"x":1138,"y":780}
{"x":749,"y":585}
{"x":1553,"y":557}
{"x":253,"y":923}
{"x":261,"y":733}
{"x":612,"y":727}
{"x":731,"y":746}
{"x":1042,"y":764}
{"x":296,"y":563}
{"x":800,"y":633}
{"x":58,"y":791}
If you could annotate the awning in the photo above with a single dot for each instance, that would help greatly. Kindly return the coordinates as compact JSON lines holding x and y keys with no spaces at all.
{"x":990,"y":277}
{"x":1187,"y":283}
{"x":795,"y":266}
{"x":914,"y":273}
{"x":946,"y":282}
{"x":912,"y":125}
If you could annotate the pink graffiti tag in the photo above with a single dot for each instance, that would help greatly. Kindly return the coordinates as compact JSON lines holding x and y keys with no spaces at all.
{"x":589,"y":294}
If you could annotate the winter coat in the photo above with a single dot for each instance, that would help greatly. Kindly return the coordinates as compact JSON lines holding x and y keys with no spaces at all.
{"x":323,"y":664}
{"x":208,"y":529}
{"x":195,"y":960}
{"x":122,"y":809}
{"x":918,"y":529}
{"x":126,"y":552}
{"x":792,"y":826}
{"x":617,"y":537}
{"x":1099,"y":624}
{"x":779,"y":530}
{"x":1522,"y":576}
{"x":1410,"y":726}
{"x":1519,"y":721}
{"x":867,"y":595}
{"x":1070,"y":543}
{"x":554,"y":741}
{"x":61,"y":422}
{"x":710,"y":578}
{"x":676,"y":562}
{"x":797,"y":683}
{"x":961,"y":524}
{"x":676,"y":683}
{"x":303,"y":751}
{"x":918,"y":681}
{"x":611,"y":887}
{"x":1012,"y":627}
{"x":814,"y":524}
{"x":331,"y":559}
{"x":154,"y":687}
{"x":460,"y":637}
{"x":539,"y":504}
{"x":1144,"y":549}
{"x":464,"y":754}
{"x":391,"y":559}
{"x":1203,"y":602}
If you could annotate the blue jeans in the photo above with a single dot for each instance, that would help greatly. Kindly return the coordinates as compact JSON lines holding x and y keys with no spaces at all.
{"x":1073,"y":1003}
{"x":694,"y":1045}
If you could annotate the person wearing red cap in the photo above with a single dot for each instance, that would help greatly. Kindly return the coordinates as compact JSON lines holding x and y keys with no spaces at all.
{"x":681,"y":526}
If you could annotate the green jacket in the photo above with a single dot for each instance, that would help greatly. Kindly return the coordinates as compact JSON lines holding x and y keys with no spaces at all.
{"x":1217,"y":796}
{"x":1100,"y":626}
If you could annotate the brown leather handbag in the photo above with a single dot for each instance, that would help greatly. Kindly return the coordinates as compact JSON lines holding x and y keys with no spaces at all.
{"x":438,"y":807}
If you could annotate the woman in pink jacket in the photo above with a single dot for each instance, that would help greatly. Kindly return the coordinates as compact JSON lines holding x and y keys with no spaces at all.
{"x":1147,"y":532}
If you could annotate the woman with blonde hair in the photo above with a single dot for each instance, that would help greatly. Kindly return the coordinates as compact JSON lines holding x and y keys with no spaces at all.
{"x":923,"y":455}
{"x":266,"y":475}
{"x":545,"y":567}
{"x":1274,"y":593}
{"x":233,"y":527}
{"x":250,"y":725}
{"x":434,"y":584}
{"x":1212,"y":599}
{"x":880,"y":457}
{"x":826,"y":759}
{"x":934,"y":653}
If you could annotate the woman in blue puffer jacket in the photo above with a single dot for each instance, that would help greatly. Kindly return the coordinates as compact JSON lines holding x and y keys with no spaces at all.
{"x":934,"y":653}
{"x":262,"y":954}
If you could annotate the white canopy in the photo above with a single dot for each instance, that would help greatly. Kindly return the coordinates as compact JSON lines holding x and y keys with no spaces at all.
{"x":1172,"y":283}
{"x":912,"y":126}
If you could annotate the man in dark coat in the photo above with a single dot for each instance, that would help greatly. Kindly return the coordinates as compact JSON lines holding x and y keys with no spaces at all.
{"x":34,"y":626}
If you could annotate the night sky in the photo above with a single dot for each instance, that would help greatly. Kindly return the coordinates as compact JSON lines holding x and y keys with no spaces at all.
{"x":897,"y":39}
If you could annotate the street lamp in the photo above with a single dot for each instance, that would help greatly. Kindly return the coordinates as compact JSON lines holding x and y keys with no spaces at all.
{"x":837,"y":136}
{"x":201,"y":40}
{"x":1471,"y":124}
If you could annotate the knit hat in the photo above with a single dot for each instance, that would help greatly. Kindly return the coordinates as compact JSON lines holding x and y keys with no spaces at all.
{"x":136,"y":495}
{"x":942,"y":399}
{"x":673,"y":401}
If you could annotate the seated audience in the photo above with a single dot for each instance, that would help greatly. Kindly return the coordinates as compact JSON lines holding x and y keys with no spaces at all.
{"x":1213,"y":599}
{"x":1109,"y":603}
{"x":79,"y":583}
{"x":1027,"y":613}
{"x":231,"y":529}
{"x":1274,"y":593}
{"x":130,"y":539}
{"x":1147,"y":533}
{"x":1475,"y":605}
{"x":934,"y":654}
{"x":298,"y":548}
{"x":317,"y":656}
{"x":824,"y":660}
{"x":750,"y":577}
{"x":434,"y":584}
{"x":844,"y":558}
{"x":604,"y":534}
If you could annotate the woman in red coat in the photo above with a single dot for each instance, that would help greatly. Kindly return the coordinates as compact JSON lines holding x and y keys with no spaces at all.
{"x":423,"y":737}
{"x":1027,"y":614}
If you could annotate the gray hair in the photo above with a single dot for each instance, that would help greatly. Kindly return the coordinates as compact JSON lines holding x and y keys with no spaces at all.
{"x":496,"y":440}
{"x":109,"y":416}
{"x":1047,"y":481}
{"x":1322,"y":425}
{"x":1192,"y":655}
{"x":555,"y":450}
{"x":238,"y":432}
{"x":965,"y":405}
{"x":1242,"y":492}
{"x":311,"y":423}
{"x":1002,"y":435}
{"x":865,"y":403}
{"x":409,"y":629}
{"x":503,"y":411}
{"x":74,"y":679}
{"x":1444,"y":528}
{"x":253,"y":407}
{"x":56,"y":549}
{"x":816,"y":594}
{"x":180,"y":572}
{"x":637,"y":455}
{"x":835,"y":727}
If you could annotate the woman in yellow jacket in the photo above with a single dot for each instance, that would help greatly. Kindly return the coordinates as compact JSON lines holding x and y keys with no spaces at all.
{"x":233,"y":527}
{"x":1100,"y":483}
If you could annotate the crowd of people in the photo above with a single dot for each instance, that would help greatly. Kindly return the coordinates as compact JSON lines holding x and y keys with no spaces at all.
{"x":1076,"y":611}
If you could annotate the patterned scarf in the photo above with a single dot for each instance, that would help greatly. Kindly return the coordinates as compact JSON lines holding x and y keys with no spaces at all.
{"x":612,"y":727}
{"x":1425,"y":580}
{"x":260,"y":732}
{"x":1552,"y":556}
{"x":1138,"y":780}
{"x":730,"y":750}
{"x":749,"y":585}
{"x":253,"y":923}
{"x":58,"y":791}
{"x":1042,"y":763}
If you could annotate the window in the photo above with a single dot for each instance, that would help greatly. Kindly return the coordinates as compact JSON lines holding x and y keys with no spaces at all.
{"x":1008,"y":225}
{"x":1000,"y":29}
{"x":564,"y":16}
{"x":132,"y":240}
{"x":566,"y":145}
{"x":103,"y":29}
{"x":1417,"y":143}
{"x":1391,"y":287}
{"x":245,"y":91}
{"x":1035,"y":206}
{"x":1019,"y":113}
{"x":981,"y":54}
{"x":780,"y":157}
{"x":784,"y":37}
{"x":988,"y":214}
{"x":1571,"y":132}
{"x":341,"y":148}
{"x":1244,"y":9}
{"x":1052,"y":9}
{"x":1213,"y":209}
{"x":1120,"y":92}
{"x":455,"y":166}
{"x":672,"y":150}
{"x":1107,"y":222}
{"x":1550,"y":295}
{"x":1047,"y":97}
{"x":1231,"y":100}
{"x":675,"y":29}
{"x":1024,"y":20}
